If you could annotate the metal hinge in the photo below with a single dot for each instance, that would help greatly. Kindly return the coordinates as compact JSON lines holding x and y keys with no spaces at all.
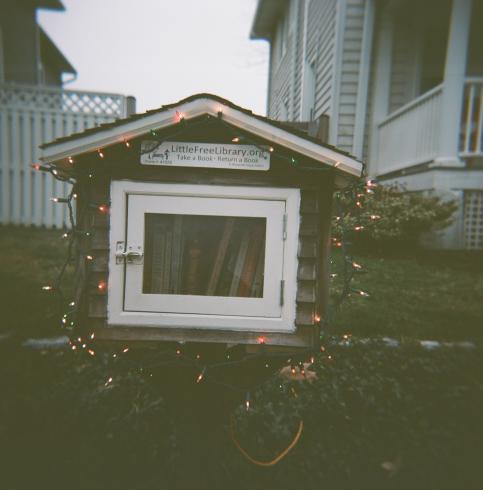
{"x":282,"y":289}
{"x":284,"y":234}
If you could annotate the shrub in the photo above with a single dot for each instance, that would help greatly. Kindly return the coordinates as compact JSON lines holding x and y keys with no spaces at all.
{"x":375,"y":418}
{"x":390,"y":215}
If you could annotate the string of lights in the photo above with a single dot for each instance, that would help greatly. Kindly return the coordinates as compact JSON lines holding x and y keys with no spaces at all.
{"x":348,"y":200}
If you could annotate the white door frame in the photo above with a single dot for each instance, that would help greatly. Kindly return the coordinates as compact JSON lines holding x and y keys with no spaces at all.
{"x":233,"y":314}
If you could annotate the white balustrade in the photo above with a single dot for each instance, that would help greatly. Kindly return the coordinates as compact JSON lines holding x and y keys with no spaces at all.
{"x":410,"y":135}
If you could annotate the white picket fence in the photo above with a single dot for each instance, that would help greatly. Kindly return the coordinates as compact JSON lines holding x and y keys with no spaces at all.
{"x":30,"y":116}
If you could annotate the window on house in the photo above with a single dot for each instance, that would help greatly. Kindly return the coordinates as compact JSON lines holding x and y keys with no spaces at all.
{"x":203,"y":256}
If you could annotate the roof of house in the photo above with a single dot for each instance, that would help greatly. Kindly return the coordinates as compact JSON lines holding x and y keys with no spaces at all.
{"x":266,"y":15}
{"x":279,"y":133}
{"x":51,"y":53}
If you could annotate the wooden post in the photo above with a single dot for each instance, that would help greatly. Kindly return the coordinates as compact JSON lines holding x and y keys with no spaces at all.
{"x":454,"y":82}
{"x":363,"y":80}
{"x":130,"y":105}
{"x":382,"y":85}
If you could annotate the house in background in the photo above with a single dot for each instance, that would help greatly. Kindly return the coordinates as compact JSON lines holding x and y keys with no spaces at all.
{"x":35,"y":109}
{"x":402,"y":84}
{"x":27,"y":54}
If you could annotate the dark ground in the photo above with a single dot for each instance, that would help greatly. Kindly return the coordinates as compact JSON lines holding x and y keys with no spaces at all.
{"x":376,"y":417}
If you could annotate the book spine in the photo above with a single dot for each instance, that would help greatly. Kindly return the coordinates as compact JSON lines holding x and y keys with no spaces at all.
{"x":249,"y":267}
{"x":193,"y":267}
{"x":235,"y":283}
{"x":167,"y":263}
{"x":257,"y":288}
{"x":220,"y":256}
{"x":158,"y":247}
{"x":176,"y":264}
{"x":227,"y":275}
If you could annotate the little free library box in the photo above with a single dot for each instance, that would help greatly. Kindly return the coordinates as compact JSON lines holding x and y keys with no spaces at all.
{"x":202,"y":222}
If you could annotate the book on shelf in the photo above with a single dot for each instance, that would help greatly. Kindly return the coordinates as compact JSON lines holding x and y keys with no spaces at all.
{"x":250,"y":263}
{"x":257,"y":286}
{"x":240,"y":260}
{"x":224,"y":283}
{"x":220,"y":256}
{"x":158,"y":247}
{"x":194,"y":258}
{"x":177,"y":255}
{"x":167,"y":262}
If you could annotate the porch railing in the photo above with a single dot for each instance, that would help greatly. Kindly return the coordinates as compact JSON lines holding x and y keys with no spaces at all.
{"x":410,"y":135}
{"x":471,"y":142}
{"x":30,"y":116}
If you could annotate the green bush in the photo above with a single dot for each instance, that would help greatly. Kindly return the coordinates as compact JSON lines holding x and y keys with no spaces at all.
{"x":376,"y":418}
{"x":390,"y":215}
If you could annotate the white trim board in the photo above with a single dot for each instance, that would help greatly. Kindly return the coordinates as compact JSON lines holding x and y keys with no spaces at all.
{"x":85,"y":143}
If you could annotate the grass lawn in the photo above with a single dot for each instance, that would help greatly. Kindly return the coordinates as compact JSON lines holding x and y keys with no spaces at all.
{"x":427,"y":295}
{"x":29,"y":259}
{"x":432,"y":295}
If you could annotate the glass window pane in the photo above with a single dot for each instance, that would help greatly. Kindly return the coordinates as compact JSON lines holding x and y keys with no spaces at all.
{"x":204,"y":255}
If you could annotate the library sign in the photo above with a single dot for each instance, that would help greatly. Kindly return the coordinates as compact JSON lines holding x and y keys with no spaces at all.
{"x":212,"y":155}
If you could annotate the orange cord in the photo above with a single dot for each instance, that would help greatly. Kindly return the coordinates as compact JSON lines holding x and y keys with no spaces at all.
{"x":275,"y":460}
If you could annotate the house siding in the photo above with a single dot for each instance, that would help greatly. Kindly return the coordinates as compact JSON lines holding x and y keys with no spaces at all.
{"x":283,"y":68}
{"x":321,"y":51}
{"x":286,"y":81}
{"x":298,"y":61}
{"x":349,"y":73}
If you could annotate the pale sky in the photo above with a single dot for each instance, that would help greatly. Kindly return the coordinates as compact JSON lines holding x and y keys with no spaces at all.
{"x":161,"y":51}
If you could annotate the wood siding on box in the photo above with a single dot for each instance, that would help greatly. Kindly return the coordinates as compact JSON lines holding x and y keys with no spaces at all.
{"x":312,"y":253}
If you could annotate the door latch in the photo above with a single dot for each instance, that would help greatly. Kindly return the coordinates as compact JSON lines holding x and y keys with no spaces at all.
{"x":133,"y":255}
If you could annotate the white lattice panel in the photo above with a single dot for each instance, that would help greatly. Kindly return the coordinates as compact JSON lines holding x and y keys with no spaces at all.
{"x":54,"y":99}
{"x":474,"y":220}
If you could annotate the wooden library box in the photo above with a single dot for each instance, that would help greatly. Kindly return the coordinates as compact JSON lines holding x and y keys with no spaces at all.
{"x":202,"y":222}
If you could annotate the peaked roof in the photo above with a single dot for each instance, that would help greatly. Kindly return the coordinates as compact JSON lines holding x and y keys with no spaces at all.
{"x":195,"y":106}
